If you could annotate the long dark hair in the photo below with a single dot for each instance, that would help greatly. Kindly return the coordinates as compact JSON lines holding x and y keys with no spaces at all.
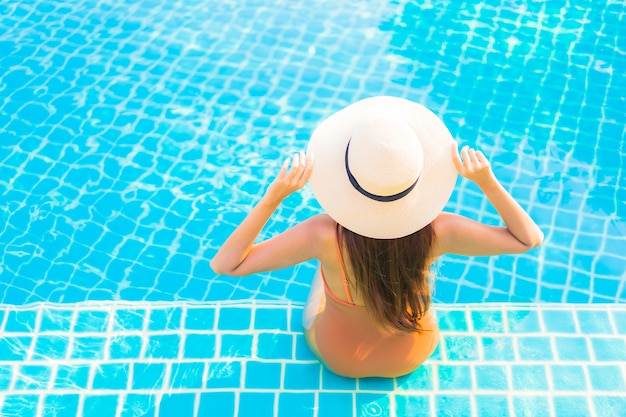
{"x":392,"y":276}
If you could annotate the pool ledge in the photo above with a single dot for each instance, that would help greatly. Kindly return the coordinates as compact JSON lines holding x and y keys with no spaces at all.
{"x":249,"y":358}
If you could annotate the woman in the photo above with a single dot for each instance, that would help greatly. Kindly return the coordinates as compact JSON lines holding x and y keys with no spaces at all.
{"x":384,"y":169}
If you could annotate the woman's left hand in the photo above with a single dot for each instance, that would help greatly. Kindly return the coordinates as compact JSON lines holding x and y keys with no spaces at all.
{"x":291,"y":178}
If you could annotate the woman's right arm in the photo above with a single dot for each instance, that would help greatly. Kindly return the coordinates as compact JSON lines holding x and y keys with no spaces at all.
{"x":460,"y":235}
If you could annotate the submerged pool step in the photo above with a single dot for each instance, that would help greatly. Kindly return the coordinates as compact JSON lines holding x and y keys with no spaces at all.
{"x":250,"y":359}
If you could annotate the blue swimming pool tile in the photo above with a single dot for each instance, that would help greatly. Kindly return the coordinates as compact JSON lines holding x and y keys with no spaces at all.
{"x":87,"y":347}
{"x":446,"y":290}
{"x":571,"y":348}
{"x":179,"y":405}
{"x":529,"y":377}
{"x":263,"y":375}
{"x":217,"y":404}
{"x":303,"y":352}
{"x":220,"y":291}
{"x":20,"y":405}
{"x":452,"y":320}
{"x":436,"y":355}
{"x":275,"y":346}
{"x":421,"y":379}
{"x":194,"y":287}
{"x":55,"y":320}
{"x":91,"y":321}
{"x":523,"y":321}
{"x":608,"y":348}
{"x":594,"y":322}
{"x":376,"y":384}
{"x":32,"y":377}
{"x":453,"y":405}
{"x":200,"y":318}
{"x":492,"y":377}
{"x":578,"y":297}
{"x":332,"y":381}
{"x":6,"y":375}
{"x":534,"y":348}
{"x":72,"y":376}
{"x":125,"y":347}
{"x":454,"y":377}
{"x":134,"y":405}
{"x":255,"y":404}
{"x":199,"y":346}
{"x":492,"y":405}
{"x":100,"y":405}
{"x":65,"y":405}
{"x":302,"y":376}
{"x":372,"y":405}
{"x":526,"y":288}
{"x":413,"y":405}
{"x":461,"y":347}
{"x":188,"y":375}
{"x":610,"y":406}
{"x":20,"y":321}
{"x":335,"y":404}
{"x":296,"y":404}
{"x":571,"y":406}
{"x":50,"y":347}
{"x":16,"y":296}
{"x":606,"y":378}
{"x":148,"y":375}
{"x":606,"y":289}
{"x":530,"y":406}
{"x":270,"y":319}
{"x":487,"y":321}
{"x":295,"y":322}
{"x":163,"y":346}
{"x":111,"y":376}
{"x":134,"y":294}
{"x":165,"y":318}
{"x":234,"y":318}
{"x":619,"y":318}
{"x":559,"y":321}
{"x":568,"y":377}
{"x":235,"y":345}
{"x":129,"y":319}
{"x":224,"y":375}
{"x":14,"y":348}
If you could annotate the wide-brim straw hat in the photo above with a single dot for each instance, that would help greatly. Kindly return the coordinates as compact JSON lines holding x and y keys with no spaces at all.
{"x":383,"y":167}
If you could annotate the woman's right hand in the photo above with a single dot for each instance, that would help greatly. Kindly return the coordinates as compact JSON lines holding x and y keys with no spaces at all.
{"x":460,"y":235}
{"x":473,"y":165}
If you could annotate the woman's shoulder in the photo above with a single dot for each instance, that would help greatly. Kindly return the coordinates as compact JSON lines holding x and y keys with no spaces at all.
{"x":325,"y":230}
{"x":443,"y":226}
{"x":324,"y":220}
{"x":324,"y":225}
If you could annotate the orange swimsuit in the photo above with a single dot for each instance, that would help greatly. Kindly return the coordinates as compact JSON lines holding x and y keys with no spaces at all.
{"x":352,"y":345}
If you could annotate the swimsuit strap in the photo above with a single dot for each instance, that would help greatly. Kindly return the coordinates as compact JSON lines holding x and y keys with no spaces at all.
{"x":346,"y":285}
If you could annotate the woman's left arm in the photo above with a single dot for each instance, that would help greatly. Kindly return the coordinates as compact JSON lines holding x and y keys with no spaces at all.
{"x":239,"y":255}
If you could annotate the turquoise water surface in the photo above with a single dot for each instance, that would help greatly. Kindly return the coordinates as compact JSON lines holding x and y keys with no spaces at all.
{"x":135,"y":135}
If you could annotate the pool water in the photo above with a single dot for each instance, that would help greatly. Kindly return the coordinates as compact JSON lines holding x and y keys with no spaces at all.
{"x":135,"y":135}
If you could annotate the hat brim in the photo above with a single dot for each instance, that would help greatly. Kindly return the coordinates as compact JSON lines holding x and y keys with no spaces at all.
{"x":360,"y":214}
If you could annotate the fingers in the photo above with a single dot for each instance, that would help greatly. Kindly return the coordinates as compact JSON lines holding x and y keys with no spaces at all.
{"x":284,"y":167}
{"x":301,"y":167}
{"x":465,"y":154}
{"x":455,"y":158}
{"x":464,"y":160}
{"x":468,"y":160}
{"x":296,"y":161}
{"x":481,"y":157}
